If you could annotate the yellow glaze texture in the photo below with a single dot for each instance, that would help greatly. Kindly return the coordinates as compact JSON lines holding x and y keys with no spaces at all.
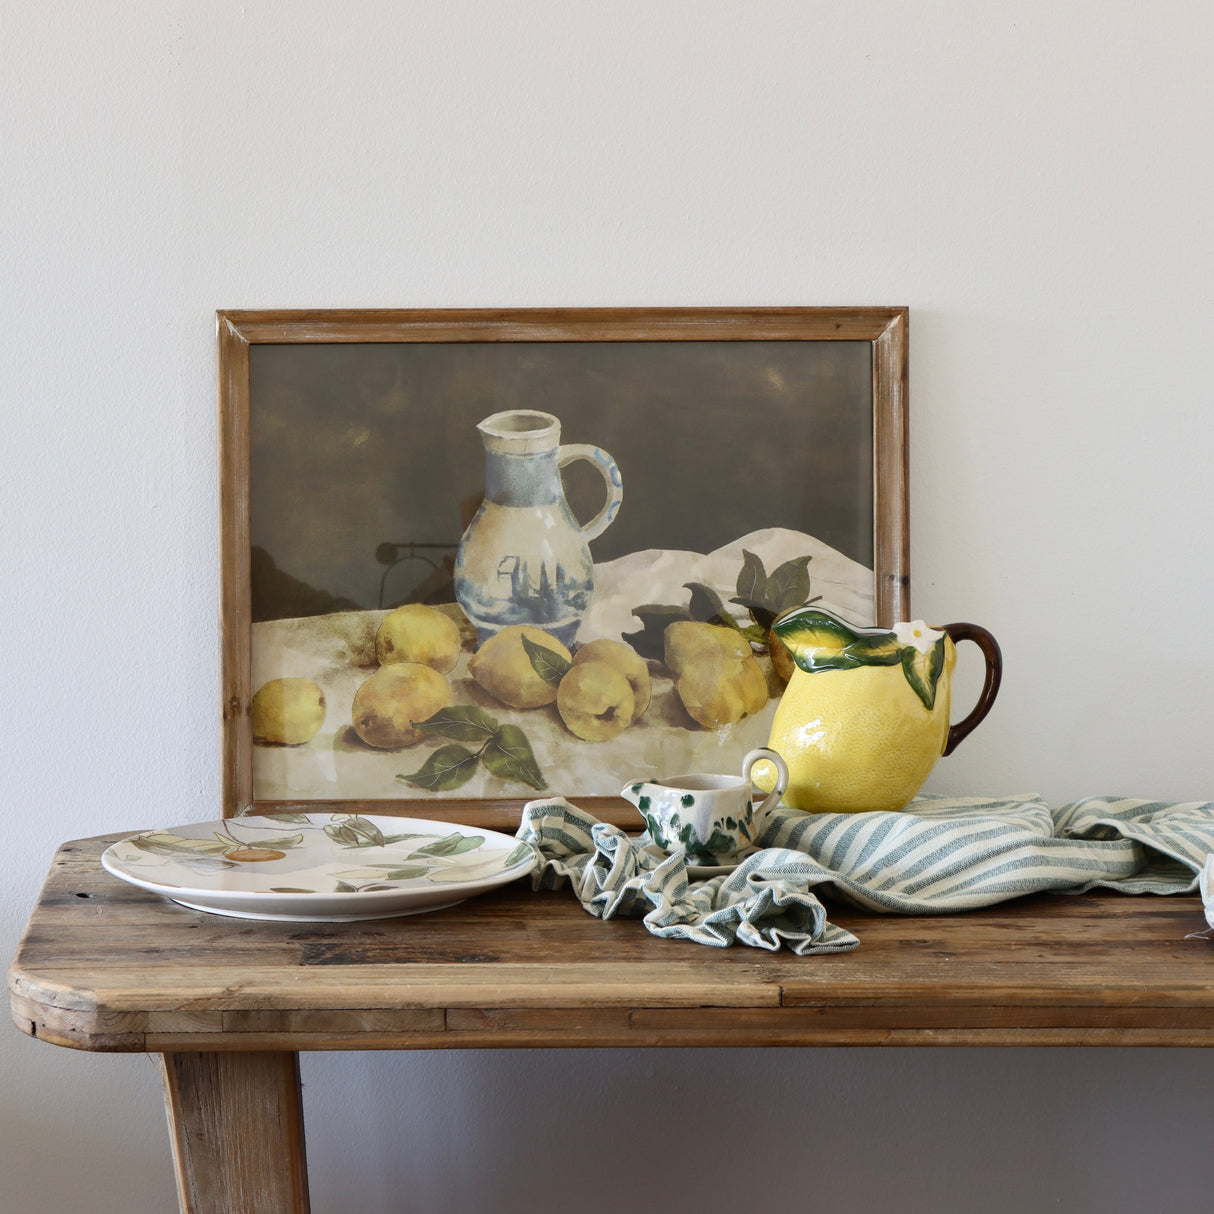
{"x":857,"y":740}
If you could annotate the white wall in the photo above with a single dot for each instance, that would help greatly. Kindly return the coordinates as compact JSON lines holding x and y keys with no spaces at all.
{"x":1032,"y":178}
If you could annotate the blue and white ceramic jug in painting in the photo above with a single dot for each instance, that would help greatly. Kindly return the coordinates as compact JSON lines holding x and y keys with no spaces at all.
{"x":524,"y":558}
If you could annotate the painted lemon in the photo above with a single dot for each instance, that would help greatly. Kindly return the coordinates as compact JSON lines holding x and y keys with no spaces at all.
{"x":287,"y":712}
{"x":415,"y":632}
{"x":858,"y":738}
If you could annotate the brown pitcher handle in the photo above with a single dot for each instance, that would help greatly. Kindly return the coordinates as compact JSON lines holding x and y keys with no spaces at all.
{"x":990,"y":688}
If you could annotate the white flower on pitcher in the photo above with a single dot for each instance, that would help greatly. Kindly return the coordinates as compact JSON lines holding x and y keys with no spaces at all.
{"x":918,"y":634}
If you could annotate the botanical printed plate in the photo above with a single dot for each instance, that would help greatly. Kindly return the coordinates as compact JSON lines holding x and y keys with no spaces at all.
{"x":320,"y":867}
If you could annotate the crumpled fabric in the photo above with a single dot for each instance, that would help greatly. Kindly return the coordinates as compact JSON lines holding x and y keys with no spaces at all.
{"x":940,"y":855}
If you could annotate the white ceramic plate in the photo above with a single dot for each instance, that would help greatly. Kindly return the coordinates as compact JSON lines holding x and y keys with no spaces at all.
{"x":326,"y":867}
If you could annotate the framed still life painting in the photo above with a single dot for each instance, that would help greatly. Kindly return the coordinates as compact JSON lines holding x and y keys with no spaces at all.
{"x":470,"y":558}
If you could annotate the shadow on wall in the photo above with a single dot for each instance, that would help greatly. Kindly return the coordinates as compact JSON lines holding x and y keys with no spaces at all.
{"x":922,"y":1131}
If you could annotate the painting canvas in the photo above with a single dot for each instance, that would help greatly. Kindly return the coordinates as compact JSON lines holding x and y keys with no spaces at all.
{"x":491,"y":556}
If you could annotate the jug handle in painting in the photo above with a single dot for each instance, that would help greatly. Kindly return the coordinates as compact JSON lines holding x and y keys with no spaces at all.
{"x":611,"y":478}
{"x":990,"y":687}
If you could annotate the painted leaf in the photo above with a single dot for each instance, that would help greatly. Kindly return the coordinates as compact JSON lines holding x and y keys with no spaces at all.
{"x":342,"y":887}
{"x":290,"y":889}
{"x":760,"y":612}
{"x":510,"y":756}
{"x":788,"y":585}
{"x":752,"y":580}
{"x":461,"y":723}
{"x":706,"y":605}
{"x":547,"y":663}
{"x":446,"y":768}
{"x":451,"y":845}
{"x":162,"y":843}
{"x":289,"y":819}
{"x":650,"y":640}
{"x":923,"y":671}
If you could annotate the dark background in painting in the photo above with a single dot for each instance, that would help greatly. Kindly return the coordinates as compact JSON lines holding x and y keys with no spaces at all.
{"x":354,"y":446}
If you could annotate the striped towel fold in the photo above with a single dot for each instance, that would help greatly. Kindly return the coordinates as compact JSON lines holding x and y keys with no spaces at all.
{"x":941,"y":854}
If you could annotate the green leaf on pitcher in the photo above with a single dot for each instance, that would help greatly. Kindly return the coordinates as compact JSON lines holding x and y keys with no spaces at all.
{"x":816,"y":640}
{"x":508,"y":754}
{"x":875,"y":649}
{"x":923,"y":670}
{"x":446,"y":768}
{"x":463,"y":722}
{"x":547,"y":663}
{"x":819,"y":641}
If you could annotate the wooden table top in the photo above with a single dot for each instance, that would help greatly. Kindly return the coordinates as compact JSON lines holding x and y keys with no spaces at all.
{"x":107,"y":966}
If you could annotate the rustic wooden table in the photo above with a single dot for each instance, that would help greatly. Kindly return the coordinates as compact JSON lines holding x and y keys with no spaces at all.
{"x":229,"y":1003}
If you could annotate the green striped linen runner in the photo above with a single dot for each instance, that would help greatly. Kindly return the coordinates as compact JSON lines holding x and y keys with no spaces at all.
{"x":941,"y":854}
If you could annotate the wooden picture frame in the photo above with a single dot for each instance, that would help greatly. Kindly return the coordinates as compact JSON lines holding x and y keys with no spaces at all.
{"x":761,"y":407}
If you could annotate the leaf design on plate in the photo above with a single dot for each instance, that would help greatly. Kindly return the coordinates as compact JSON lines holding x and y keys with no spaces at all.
{"x":353,"y":830}
{"x":446,"y":768}
{"x":509,"y":755}
{"x":290,"y":889}
{"x":341,"y":887}
{"x":409,"y":872}
{"x":287,"y":841}
{"x":547,"y":663}
{"x":520,"y":853}
{"x":451,"y":845}
{"x":163,"y":843}
{"x":460,"y":723}
{"x":473,"y":868}
{"x":288,"y":819}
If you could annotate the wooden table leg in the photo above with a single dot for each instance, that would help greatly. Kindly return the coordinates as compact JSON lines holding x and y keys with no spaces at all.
{"x":236,"y":1120}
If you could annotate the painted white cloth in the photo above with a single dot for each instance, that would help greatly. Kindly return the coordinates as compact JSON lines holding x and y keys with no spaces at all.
{"x":942,"y":854}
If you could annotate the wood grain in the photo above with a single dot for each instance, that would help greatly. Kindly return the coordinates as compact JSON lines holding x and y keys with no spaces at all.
{"x":237,"y":1128}
{"x":106,"y":966}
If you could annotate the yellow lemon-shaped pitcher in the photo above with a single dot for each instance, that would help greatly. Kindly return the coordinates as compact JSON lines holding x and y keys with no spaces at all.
{"x":865,"y":715}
